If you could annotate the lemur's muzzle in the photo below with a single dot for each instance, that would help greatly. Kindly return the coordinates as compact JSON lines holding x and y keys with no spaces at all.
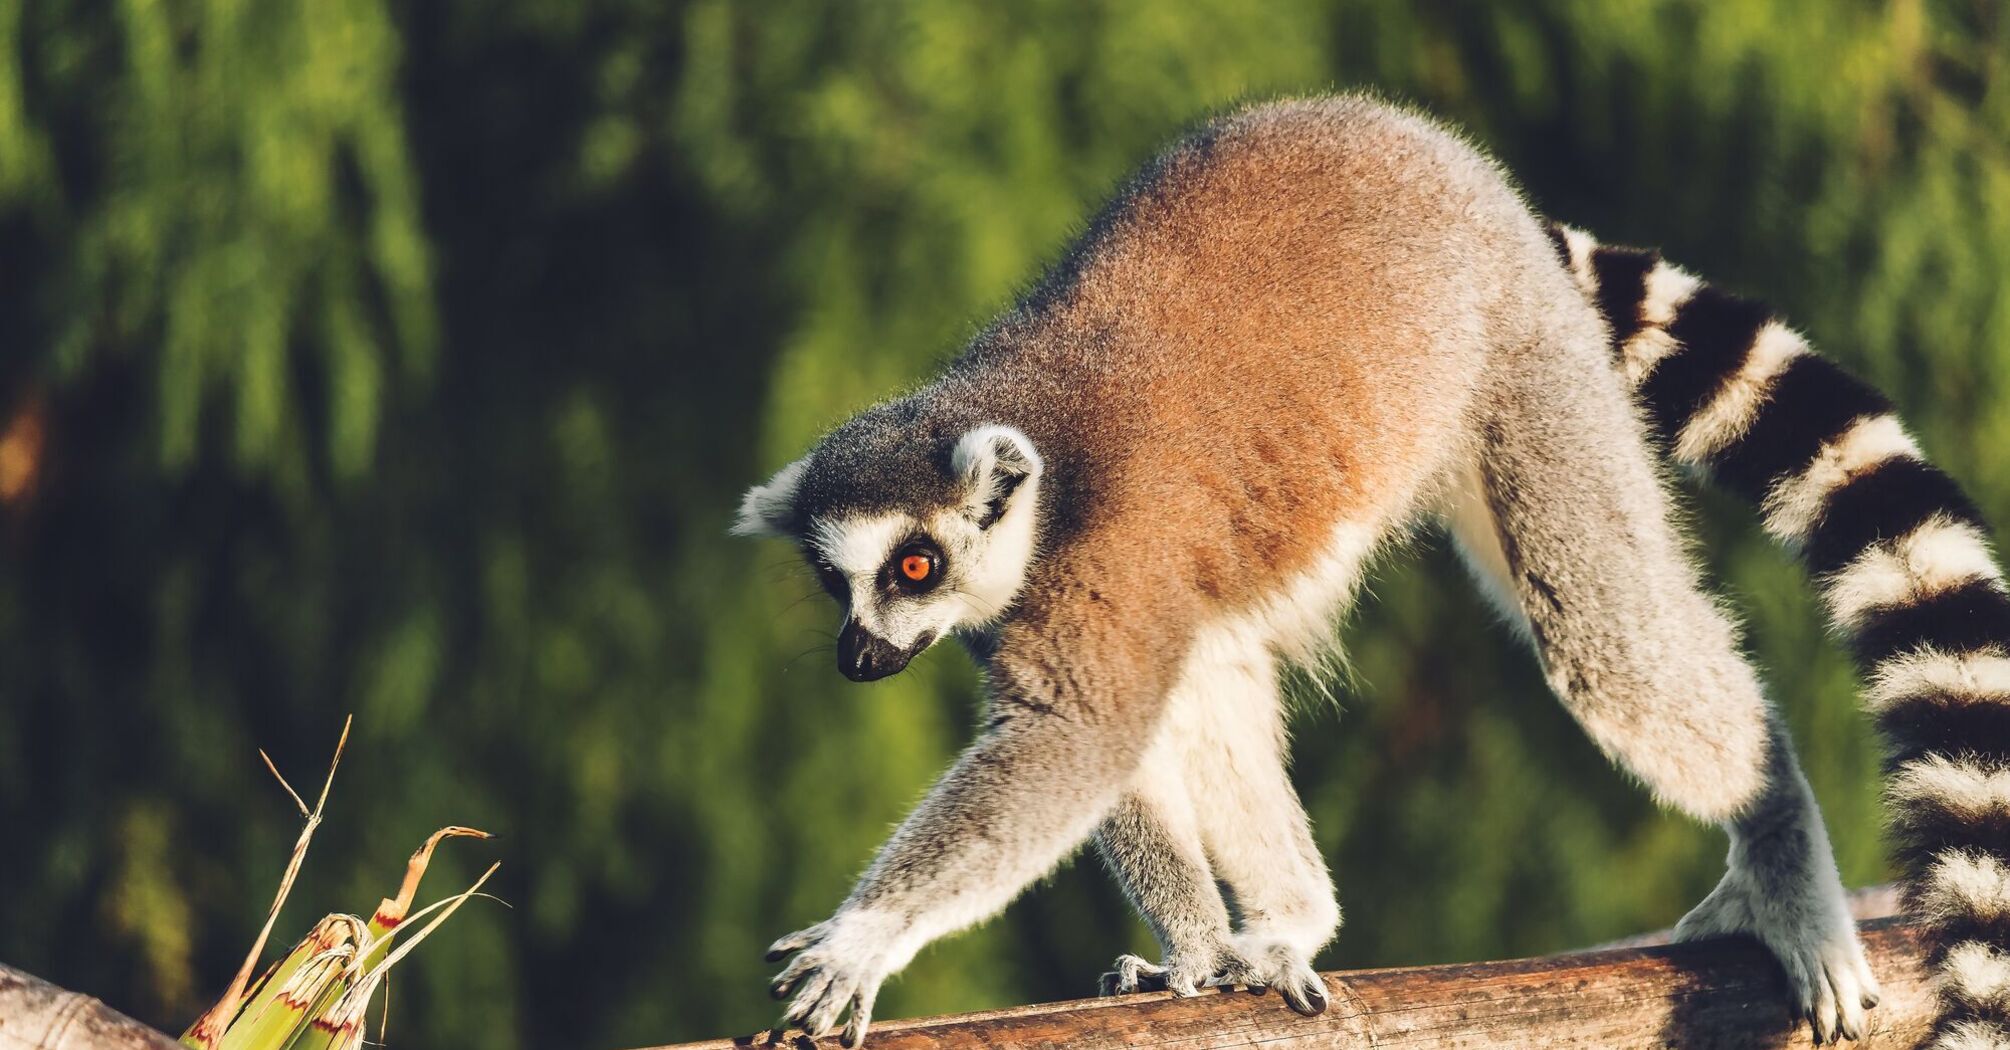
{"x":866,"y":657}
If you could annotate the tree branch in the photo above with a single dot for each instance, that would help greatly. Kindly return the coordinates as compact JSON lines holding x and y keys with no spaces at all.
{"x":1722,"y":993}
{"x":37,"y":1015}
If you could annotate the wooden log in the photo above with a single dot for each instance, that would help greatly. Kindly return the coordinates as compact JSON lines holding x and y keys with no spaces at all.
{"x":1701,"y":996}
{"x":1713,"y":994}
{"x":37,"y":1015}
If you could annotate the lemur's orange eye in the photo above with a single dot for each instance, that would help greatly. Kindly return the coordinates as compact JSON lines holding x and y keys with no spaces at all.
{"x":916,"y":567}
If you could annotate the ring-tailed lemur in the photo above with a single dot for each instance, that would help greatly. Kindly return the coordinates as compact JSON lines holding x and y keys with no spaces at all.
{"x":1157,"y":478}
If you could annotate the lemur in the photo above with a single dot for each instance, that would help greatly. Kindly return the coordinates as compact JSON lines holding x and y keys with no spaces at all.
{"x":1155,"y":480}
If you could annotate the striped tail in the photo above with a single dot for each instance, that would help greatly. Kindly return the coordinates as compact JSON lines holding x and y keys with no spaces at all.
{"x":1902,"y":561}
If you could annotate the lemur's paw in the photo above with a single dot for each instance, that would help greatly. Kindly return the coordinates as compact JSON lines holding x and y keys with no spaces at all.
{"x":1268,"y":962}
{"x":1814,"y":940}
{"x":839,"y":965}
{"x":1133,"y":974}
{"x":1182,"y":977}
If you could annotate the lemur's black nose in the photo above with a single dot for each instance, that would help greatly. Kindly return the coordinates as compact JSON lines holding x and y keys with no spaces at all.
{"x":865,"y":657}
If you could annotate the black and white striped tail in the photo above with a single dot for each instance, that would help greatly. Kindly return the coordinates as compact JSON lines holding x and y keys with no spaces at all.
{"x":1905,"y":573}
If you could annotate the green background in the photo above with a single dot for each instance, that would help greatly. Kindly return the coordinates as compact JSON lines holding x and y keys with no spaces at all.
{"x":409,"y":360}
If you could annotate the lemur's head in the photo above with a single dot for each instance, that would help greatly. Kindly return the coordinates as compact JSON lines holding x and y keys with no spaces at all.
{"x":917,"y":533}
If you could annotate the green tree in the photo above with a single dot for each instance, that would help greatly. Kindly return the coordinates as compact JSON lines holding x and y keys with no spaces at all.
{"x":409,"y":360}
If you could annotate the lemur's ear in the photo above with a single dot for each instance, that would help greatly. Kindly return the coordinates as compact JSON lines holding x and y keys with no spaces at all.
{"x":766,"y":509}
{"x":994,"y":462}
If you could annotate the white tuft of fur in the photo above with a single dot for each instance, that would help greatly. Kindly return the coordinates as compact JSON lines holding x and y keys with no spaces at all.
{"x":765,"y":509}
{"x":1795,"y":504}
{"x":1736,"y":407}
{"x":1977,"y":976}
{"x":1580,"y":245}
{"x":1965,"y":885}
{"x":1933,"y":558}
{"x":1648,"y":348}
{"x":1972,"y":1035}
{"x":1956,"y":787}
{"x":1982,"y":676}
{"x":1668,"y":286}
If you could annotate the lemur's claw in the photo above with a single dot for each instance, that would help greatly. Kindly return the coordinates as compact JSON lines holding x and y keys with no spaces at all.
{"x":791,"y":943}
{"x":837,"y":970}
{"x":1263,"y":963}
{"x":1829,"y":983}
{"x":1307,"y":999}
{"x":1179,"y":975}
{"x":1304,"y":991}
{"x":1133,"y":974}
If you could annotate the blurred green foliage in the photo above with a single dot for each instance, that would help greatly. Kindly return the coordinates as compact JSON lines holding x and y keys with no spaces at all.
{"x":408,"y":359}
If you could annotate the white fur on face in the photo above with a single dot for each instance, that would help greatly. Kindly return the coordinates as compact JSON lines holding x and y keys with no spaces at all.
{"x":859,"y":549}
{"x":983,"y":568}
{"x":860,"y":546}
{"x":986,"y":566}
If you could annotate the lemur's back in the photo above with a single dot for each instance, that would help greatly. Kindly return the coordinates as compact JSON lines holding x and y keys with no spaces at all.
{"x":1276,"y":327}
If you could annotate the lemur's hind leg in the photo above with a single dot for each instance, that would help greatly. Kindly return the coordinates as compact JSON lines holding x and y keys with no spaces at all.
{"x":1151,"y":843}
{"x":1566,"y":523}
{"x":1256,"y":830}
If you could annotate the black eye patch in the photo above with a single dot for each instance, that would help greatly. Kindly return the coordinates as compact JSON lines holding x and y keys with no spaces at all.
{"x":833,"y":581}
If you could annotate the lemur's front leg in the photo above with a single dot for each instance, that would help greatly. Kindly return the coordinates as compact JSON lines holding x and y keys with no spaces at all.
{"x":1068,"y":726}
{"x":1152,"y":845}
{"x":1012,"y":806}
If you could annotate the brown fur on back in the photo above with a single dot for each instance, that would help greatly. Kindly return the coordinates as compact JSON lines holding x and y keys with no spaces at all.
{"x":1249,"y":346}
